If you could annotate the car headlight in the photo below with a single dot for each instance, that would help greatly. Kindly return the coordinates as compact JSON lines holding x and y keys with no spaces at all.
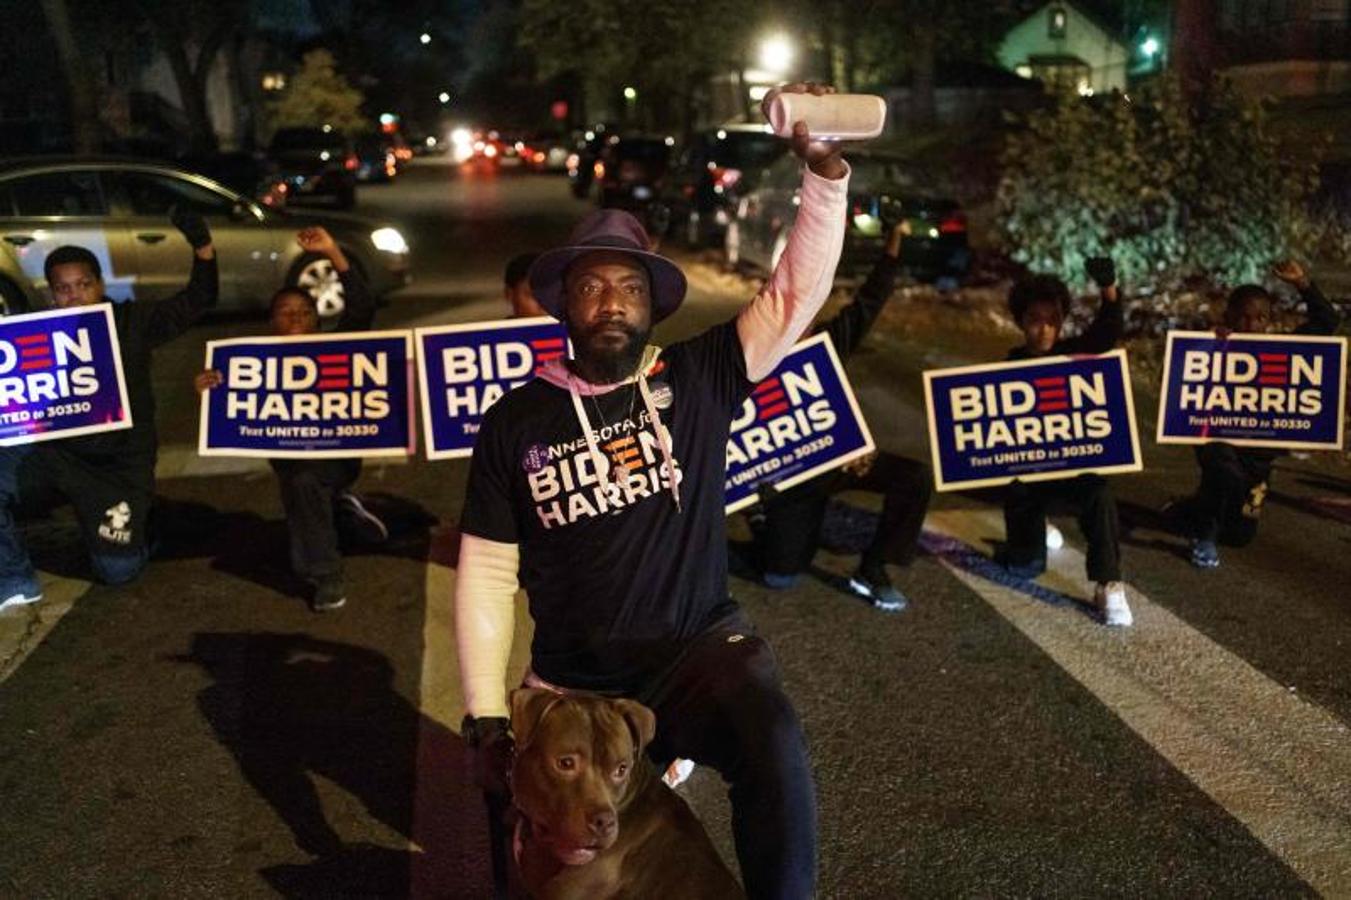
{"x":389,"y":240}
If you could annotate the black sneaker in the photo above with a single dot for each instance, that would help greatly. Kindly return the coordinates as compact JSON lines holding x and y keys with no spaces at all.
{"x":872,"y":583}
{"x":358,"y":522}
{"x":329,"y":594}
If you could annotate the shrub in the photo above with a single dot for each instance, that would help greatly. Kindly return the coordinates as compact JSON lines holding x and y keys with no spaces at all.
{"x":1174,"y":188}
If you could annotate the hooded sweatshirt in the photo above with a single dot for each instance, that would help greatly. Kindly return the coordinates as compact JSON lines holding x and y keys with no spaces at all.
{"x":608,"y":499}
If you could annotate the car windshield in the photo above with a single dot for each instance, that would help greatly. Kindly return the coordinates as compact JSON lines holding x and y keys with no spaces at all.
{"x":744,"y":149}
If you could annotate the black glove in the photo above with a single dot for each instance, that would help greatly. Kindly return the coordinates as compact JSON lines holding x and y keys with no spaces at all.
{"x":891,"y":211}
{"x":492,"y":745}
{"x":192,"y":225}
{"x":1102,"y":270}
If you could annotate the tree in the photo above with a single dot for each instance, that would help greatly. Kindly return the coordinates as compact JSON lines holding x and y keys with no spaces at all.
{"x":665,"y":49}
{"x":318,"y":95}
{"x":190,"y":34}
{"x":79,"y":83}
{"x":1173,"y":186}
{"x":886,"y":41}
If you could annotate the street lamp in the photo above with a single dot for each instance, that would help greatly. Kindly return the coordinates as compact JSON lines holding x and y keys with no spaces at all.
{"x":1149,"y":47}
{"x":425,"y":38}
{"x":444,"y":97}
{"x":776,"y":54}
{"x":630,"y":94}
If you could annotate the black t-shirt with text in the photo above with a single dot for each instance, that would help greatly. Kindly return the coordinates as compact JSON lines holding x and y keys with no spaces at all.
{"x":618,"y":579}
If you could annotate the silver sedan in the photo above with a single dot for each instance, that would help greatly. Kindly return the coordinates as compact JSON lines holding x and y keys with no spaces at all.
{"x":119,"y":210}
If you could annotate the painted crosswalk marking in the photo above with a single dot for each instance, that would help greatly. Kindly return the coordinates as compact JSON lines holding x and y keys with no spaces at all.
{"x":1278,"y":763}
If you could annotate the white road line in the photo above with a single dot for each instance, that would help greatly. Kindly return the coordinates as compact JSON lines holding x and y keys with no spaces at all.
{"x":23,"y":628}
{"x":1279,"y":764}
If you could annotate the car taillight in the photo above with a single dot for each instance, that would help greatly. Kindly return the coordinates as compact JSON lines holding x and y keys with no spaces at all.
{"x":724,"y":178}
{"x":598,"y":169}
{"x":539,"y":156}
{"x":350,"y":163}
{"x":953,"y":223}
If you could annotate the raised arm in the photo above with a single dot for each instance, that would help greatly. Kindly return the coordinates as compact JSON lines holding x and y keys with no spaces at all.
{"x":168,"y":319}
{"x":850,"y":326}
{"x":771,"y":323}
{"x":1320,"y":316}
{"x":1107,"y":327}
{"x":359,"y":306}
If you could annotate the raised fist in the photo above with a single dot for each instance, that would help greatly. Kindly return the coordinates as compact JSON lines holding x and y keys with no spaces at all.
{"x":1102,"y":270}
{"x":191,"y":224}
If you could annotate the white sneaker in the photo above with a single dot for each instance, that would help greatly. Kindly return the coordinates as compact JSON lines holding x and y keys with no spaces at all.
{"x":1054,"y":539}
{"x":20,"y":598}
{"x":1111,"y":599}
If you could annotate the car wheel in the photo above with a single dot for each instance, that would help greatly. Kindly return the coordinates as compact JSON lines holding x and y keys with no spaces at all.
{"x":316,"y":276}
{"x":12,"y":300}
{"x":731,"y":245}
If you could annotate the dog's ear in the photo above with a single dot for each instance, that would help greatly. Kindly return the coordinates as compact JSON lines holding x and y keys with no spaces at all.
{"x":527,"y":705}
{"x":642,"y":721}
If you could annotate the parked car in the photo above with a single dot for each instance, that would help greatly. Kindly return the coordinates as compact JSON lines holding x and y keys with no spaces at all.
{"x":711,"y":175}
{"x":316,"y":162}
{"x":547,"y":152}
{"x":632,"y":170}
{"x":881,"y":188}
{"x":119,"y":209}
{"x":376,"y":161}
{"x":581,"y":163}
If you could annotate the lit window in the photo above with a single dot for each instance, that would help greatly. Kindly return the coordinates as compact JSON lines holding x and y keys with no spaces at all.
{"x":1056,"y":22}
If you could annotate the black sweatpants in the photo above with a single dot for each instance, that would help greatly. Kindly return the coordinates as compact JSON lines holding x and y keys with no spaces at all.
{"x":111,"y":494}
{"x":722,"y":705}
{"x":793,"y":517}
{"x":1233,"y":487}
{"x":1090,"y":496}
{"x":309,"y":493}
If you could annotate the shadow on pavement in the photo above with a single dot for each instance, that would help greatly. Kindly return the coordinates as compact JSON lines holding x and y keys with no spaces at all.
{"x":290,"y":708}
{"x":248,"y":546}
{"x":963,"y":556}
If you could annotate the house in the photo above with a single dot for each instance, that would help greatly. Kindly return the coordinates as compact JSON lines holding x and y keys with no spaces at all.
{"x":1061,"y":45}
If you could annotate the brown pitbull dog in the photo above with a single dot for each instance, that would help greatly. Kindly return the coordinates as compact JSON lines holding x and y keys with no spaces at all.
{"x":597,"y":822}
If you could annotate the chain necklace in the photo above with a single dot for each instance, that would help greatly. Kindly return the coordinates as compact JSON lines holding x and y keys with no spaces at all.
{"x":618,"y":470}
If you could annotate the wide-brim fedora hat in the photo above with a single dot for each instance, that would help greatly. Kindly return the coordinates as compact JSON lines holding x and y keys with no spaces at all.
{"x":607,"y":229}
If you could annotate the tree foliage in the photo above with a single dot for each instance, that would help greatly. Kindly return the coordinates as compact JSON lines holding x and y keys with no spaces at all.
{"x":1173,"y":188}
{"x":663,"y":48}
{"x":319,"y":95}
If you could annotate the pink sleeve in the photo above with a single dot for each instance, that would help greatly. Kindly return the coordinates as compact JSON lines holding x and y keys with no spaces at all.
{"x":771,"y":324}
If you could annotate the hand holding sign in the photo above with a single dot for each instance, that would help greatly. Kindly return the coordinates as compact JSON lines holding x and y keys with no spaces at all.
{"x":207,"y":379}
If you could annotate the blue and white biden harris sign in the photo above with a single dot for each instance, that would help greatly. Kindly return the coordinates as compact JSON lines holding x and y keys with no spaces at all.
{"x":1254,"y":390}
{"x":1031,"y":420}
{"x":310,"y":397}
{"x":799,"y":422}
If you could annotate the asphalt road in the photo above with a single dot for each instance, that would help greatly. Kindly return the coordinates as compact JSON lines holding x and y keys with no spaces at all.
{"x":201,"y":734}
